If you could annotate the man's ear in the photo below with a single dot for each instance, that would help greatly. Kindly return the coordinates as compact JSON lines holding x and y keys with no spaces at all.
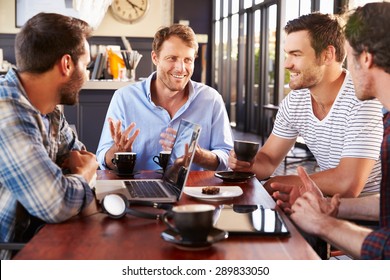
{"x":66,"y":65}
{"x":329,"y":54}
{"x":366,"y":59}
{"x":154,"y":58}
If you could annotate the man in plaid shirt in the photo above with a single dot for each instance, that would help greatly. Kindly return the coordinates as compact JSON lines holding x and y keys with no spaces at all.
{"x":45,"y":171}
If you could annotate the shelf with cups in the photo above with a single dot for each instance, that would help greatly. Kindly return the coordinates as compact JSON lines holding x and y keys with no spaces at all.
{"x":116,"y":64}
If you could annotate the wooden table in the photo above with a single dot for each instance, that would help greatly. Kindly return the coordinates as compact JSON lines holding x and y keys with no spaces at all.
{"x":99,"y":237}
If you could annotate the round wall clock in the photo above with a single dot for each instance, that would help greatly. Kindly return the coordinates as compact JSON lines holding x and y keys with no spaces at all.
{"x":129,"y":11}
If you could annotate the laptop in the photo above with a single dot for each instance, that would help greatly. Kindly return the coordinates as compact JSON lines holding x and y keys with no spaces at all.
{"x":168,"y":189}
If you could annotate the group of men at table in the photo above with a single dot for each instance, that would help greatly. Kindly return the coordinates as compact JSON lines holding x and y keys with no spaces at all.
{"x":46,"y":169}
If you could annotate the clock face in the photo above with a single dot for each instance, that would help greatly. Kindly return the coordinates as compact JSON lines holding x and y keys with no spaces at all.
{"x":129,"y":11}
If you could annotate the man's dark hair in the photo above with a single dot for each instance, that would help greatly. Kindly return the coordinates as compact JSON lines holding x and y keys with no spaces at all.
{"x":45,"y":38}
{"x":184,"y":32}
{"x":324,"y":30}
{"x":367,"y":29}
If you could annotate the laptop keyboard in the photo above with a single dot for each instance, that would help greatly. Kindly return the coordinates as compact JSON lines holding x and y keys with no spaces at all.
{"x":144,"y":189}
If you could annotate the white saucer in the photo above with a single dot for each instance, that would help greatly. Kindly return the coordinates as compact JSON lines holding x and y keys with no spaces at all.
{"x":224,"y":192}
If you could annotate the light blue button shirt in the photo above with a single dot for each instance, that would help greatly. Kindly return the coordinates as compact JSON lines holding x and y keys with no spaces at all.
{"x":133,"y":103}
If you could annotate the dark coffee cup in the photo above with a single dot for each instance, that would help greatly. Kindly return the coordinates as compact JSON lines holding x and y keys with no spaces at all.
{"x":124,"y":162}
{"x":193,"y":221}
{"x":162,"y":159}
{"x":245,"y":150}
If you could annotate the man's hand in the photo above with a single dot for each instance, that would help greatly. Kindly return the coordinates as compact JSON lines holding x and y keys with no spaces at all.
{"x":238,"y":165}
{"x":83,"y":163}
{"x":168,"y":139}
{"x":306,"y":213}
{"x":285,"y":195}
{"x":122,"y":141}
{"x":309,"y":211}
{"x":185,"y":159}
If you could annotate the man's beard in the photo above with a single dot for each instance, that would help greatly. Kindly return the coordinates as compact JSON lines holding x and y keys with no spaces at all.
{"x":69,"y":92}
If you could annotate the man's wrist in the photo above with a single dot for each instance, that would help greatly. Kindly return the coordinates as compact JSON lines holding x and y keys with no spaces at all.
{"x":106,"y":156}
{"x":106,"y":165}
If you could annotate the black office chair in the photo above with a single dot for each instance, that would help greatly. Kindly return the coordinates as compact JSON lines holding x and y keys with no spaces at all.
{"x":11,"y":246}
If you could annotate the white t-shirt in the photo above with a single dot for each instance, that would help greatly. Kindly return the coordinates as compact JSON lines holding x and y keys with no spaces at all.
{"x":352,"y":128}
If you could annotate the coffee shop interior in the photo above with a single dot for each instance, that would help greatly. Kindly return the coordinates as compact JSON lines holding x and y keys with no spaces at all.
{"x":239,"y":39}
{"x":241,"y":55}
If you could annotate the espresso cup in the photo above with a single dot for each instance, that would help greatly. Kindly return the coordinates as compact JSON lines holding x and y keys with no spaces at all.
{"x":124,"y":162}
{"x":245,"y":150}
{"x":193,"y":222}
{"x":162,"y":159}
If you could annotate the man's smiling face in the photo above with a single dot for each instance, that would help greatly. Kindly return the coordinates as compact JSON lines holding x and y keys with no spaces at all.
{"x":305,"y":68}
{"x":175,"y":63}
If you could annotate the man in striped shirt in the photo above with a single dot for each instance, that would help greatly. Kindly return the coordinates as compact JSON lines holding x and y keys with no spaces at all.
{"x":45,"y":171}
{"x":369,"y":62}
{"x":343,"y":133}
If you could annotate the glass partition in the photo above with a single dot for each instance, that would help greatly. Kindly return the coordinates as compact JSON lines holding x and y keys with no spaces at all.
{"x":233,"y":74}
{"x":225,"y":61}
{"x":271,"y":67}
{"x":327,"y":7}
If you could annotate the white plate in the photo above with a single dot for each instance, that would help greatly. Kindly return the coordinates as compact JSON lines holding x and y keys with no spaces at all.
{"x":224,"y":192}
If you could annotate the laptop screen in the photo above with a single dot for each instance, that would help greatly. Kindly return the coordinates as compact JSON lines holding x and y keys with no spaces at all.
{"x":182,"y":154}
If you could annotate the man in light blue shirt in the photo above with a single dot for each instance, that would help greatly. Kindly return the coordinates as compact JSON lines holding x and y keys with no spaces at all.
{"x":160,"y":102}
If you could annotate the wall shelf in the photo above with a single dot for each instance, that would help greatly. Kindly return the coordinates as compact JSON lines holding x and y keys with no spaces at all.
{"x":105,"y":84}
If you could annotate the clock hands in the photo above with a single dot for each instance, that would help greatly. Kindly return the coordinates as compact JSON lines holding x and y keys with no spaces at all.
{"x":135,"y":6}
{"x":129,"y":11}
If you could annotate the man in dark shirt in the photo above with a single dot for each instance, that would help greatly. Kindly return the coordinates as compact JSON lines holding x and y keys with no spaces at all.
{"x":369,"y":63}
